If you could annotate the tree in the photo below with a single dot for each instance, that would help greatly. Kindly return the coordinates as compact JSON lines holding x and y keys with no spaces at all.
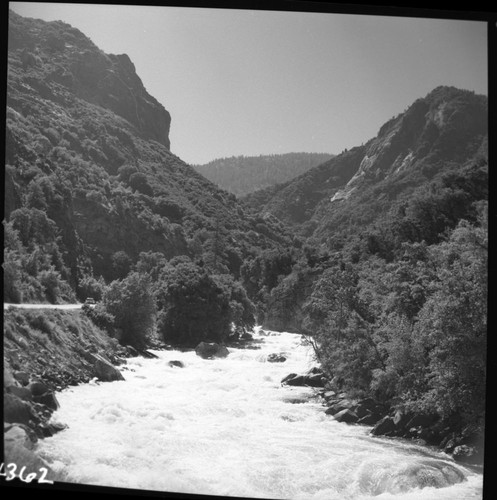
{"x":138,"y":182}
{"x":150,"y":263}
{"x":330,"y":305}
{"x":453,"y":323}
{"x":89,"y":286}
{"x":193,"y":307}
{"x":132,"y":304}
{"x":12,"y":265}
{"x":339,"y":326}
{"x":121,"y":264}
{"x":241,"y":309}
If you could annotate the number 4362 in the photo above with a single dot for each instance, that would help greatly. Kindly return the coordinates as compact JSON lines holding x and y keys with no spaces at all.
{"x":9,"y":472}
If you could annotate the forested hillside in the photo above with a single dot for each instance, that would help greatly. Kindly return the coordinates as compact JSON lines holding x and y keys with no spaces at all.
{"x":391,"y":285}
{"x":93,"y":193}
{"x":242,"y":175}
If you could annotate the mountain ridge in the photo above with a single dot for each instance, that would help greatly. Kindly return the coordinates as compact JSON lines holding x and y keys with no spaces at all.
{"x":76,"y":63}
{"x":87,"y":152}
{"x":241,"y":175}
{"x":448,"y":125}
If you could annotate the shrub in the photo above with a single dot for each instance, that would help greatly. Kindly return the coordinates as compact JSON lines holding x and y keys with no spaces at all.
{"x":40,"y":322}
{"x":131,"y":302}
{"x":100,"y":317}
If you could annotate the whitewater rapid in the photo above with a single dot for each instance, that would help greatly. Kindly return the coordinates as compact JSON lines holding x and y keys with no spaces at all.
{"x":227,"y":427}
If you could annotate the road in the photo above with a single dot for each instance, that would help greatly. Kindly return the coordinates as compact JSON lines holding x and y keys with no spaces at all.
{"x":62,"y":307}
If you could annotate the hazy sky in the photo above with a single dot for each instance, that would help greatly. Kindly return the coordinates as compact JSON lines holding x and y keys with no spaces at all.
{"x":262,"y":82}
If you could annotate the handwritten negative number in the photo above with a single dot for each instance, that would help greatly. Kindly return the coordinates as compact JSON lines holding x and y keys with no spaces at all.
{"x":11,"y":469}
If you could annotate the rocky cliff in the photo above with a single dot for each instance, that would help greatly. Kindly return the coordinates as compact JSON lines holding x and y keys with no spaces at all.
{"x":443,"y":130}
{"x":58,"y":59}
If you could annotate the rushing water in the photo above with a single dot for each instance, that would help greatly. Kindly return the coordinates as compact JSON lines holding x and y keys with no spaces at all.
{"x":227,"y":427}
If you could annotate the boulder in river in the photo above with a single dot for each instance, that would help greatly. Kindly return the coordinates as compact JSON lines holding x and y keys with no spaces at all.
{"x":468,"y":454}
{"x":290,"y":376}
{"x":385,"y":427}
{"x":329,"y":395}
{"x":147,"y":354}
{"x":293,"y":379}
{"x":314,"y":380}
{"x":347,"y":416}
{"x":422,"y":420}
{"x":275,"y":357}
{"x":48,"y":399}
{"x":104,"y":370}
{"x":338,"y":406}
{"x":246,"y":336}
{"x":175,"y":363}
{"x":369,"y":419}
{"x":131,"y":351}
{"x":209,"y":350}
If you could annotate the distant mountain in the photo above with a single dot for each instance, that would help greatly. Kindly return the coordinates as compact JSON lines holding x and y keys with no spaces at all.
{"x":242,"y":175}
{"x":436,"y":135}
{"x":89,"y":173}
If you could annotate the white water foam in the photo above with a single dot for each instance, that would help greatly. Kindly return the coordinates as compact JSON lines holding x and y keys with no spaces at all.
{"x":225,"y":427}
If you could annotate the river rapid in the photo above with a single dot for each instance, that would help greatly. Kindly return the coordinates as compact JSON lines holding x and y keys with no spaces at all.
{"x":227,"y":427}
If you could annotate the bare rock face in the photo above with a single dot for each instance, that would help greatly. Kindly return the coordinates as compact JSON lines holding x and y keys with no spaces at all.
{"x":80,"y":67}
{"x":111,"y":82}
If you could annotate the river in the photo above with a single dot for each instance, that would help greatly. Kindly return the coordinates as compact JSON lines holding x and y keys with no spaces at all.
{"x":227,"y":427}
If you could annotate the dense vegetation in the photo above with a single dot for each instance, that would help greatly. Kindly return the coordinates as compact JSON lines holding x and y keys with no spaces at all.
{"x":94,"y":195}
{"x":390,"y":286}
{"x":377,"y":255}
{"x":242,"y":175}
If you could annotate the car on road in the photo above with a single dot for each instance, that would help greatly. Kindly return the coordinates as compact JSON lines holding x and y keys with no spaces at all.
{"x":90,"y":301}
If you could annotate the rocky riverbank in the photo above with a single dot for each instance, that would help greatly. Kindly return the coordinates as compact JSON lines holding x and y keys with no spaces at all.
{"x":465,"y":443}
{"x":46,"y":351}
